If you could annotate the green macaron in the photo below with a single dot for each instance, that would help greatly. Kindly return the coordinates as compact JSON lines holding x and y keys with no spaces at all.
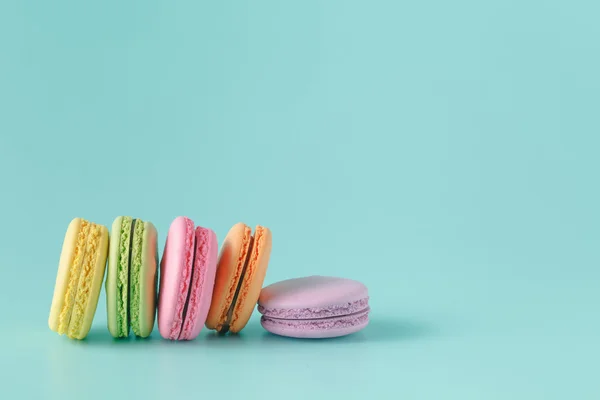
{"x":131,"y":277}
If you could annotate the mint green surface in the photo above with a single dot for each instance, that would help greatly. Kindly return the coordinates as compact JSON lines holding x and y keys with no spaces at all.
{"x":445,"y":153}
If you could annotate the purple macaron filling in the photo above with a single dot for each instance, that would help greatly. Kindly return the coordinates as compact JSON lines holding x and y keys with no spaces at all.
{"x":339,"y":322}
{"x":314,"y":313}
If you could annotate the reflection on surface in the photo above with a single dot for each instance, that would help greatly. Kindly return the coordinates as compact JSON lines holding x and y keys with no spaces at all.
{"x":398,"y":329}
{"x":158,"y":367}
{"x":379,"y":329}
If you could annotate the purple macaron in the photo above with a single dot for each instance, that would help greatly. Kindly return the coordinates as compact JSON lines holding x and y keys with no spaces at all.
{"x":314,"y":307}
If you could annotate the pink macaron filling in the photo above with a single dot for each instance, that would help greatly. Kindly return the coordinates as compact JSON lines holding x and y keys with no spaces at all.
{"x":188,"y":268}
{"x":202,"y":284}
{"x":185,"y":281}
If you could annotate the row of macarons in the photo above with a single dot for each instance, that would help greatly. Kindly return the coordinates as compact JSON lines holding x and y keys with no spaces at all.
{"x":193,"y":285}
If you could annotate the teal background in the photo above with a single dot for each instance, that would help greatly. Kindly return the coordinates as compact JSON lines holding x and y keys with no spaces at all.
{"x":445,"y":153}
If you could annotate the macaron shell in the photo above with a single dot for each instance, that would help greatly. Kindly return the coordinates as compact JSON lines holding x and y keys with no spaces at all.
{"x":229,"y":270}
{"x":205,"y":267}
{"x":314,"y":307}
{"x":253,"y":279}
{"x":148,"y":280}
{"x":175,"y":268}
{"x":312,"y":292}
{"x":316,"y":329}
{"x":111,"y":277}
{"x":90,"y":285}
{"x":62,"y":277}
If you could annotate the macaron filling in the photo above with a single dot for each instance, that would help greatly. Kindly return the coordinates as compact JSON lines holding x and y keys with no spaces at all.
{"x":200,"y":285}
{"x":184,"y":280}
{"x":316,"y":312}
{"x":128,"y":284}
{"x":123,"y":278}
{"x":184,"y":315}
{"x":129,"y":257}
{"x":81,"y":274}
{"x":81,"y":280}
{"x":342,"y":321}
{"x":135,"y":267}
{"x":85,"y":282}
{"x":74,"y":275}
{"x":228,"y":319}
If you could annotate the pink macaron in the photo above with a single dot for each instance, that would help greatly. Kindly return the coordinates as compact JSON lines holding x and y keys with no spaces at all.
{"x":188,"y":268}
{"x":314,"y":307}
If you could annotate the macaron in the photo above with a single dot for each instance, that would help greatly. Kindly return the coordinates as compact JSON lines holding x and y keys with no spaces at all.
{"x":187,"y":277}
{"x":241,"y":270}
{"x":79,"y":279}
{"x":314,"y":307}
{"x":132,"y":277}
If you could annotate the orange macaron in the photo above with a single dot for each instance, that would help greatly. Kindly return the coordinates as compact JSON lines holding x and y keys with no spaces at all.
{"x":241,"y":271}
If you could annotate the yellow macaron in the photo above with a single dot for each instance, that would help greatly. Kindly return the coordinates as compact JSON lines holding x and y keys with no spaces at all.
{"x":79,"y":279}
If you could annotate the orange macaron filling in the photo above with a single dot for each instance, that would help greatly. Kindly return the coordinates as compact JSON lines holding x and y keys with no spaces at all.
{"x":240,"y":273}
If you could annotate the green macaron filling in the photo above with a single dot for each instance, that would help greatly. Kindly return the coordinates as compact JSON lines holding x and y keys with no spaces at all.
{"x":135,"y":268}
{"x":132,"y":277}
{"x":125,"y":242}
